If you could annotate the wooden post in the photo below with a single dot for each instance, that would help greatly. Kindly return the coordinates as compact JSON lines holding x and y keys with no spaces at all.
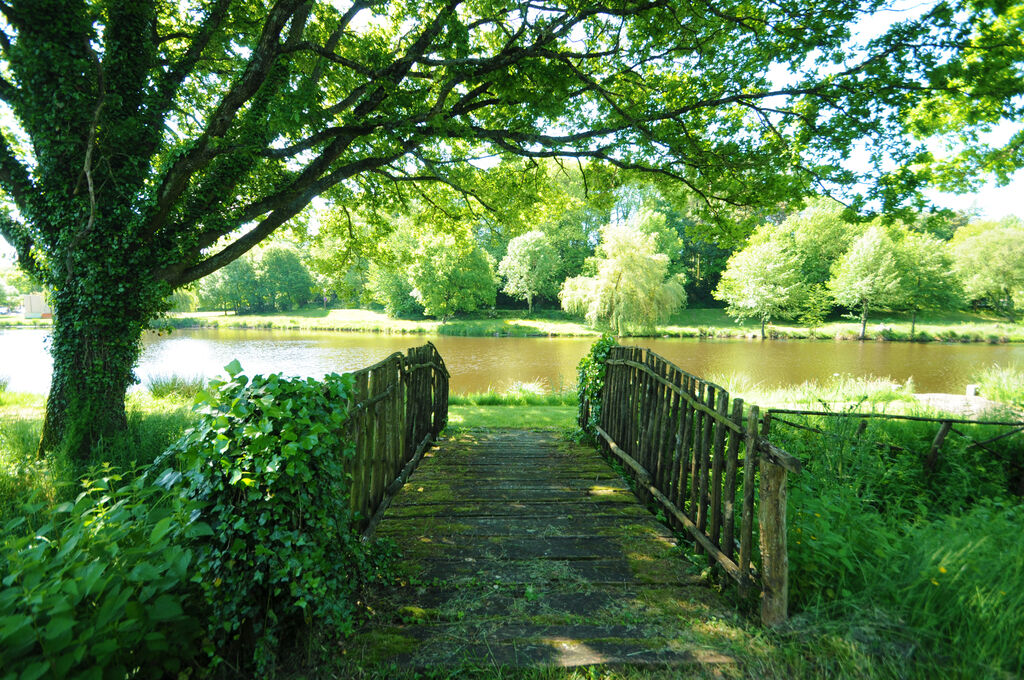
{"x":747,"y":516}
{"x":933,"y":453}
{"x":771,"y":516}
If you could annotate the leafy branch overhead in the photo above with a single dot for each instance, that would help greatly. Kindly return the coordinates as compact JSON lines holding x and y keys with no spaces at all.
{"x":210,"y":116}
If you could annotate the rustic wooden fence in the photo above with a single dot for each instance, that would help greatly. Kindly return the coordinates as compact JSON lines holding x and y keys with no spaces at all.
{"x":945,"y":427}
{"x":690,"y":449}
{"x":397,"y":408}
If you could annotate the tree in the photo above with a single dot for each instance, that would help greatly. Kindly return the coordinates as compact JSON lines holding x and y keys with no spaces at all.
{"x":989,"y":257}
{"x":631,"y":291}
{"x":152,"y":143}
{"x":817,"y":235}
{"x":762,"y":281}
{"x":184,"y":299}
{"x":528,"y":267}
{"x":234,"y":287}
{"x":866,"y":277}
{"x":450,"y":276}
{"x":927,"y":279}
{"x":283,"y":279}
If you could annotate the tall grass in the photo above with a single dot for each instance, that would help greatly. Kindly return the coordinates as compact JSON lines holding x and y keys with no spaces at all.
{"x":923,"y":567}
{"x":1002,"y":383}
{"x":166,"y":385}
{"x":533,"y":393}
{"x":839,"y":391}
{"x":153,"y":425}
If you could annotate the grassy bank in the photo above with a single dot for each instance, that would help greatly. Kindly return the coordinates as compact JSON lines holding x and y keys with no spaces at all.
{"x":153,"y":424}
{"x":689,"y":323}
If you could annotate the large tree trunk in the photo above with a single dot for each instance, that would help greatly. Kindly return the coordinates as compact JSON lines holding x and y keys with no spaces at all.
{"x":863,"y":320}
{"x":95,"y":345}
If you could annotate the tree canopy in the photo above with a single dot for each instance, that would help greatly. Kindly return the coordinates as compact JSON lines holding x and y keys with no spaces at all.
{"x":528,"y":267}
{"x":631,"y":289}
{"x":150,"y":143}
{"x":762,"y":281}
{"x":866,"y":276}
{"x":989,"y":257}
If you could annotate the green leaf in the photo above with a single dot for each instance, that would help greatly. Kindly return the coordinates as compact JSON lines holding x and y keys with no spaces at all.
{"x":234,"y":368}
{"x":58,"y":627}
{"x":35,"y":671}
{"x":165,"y":608}
{"x":160,"y":530}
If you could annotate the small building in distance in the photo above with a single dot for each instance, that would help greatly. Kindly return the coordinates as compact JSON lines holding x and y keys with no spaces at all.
{"x":36,"y":307}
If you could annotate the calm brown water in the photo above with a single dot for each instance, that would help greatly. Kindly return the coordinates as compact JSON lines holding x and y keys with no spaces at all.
{"x":478,"y":364}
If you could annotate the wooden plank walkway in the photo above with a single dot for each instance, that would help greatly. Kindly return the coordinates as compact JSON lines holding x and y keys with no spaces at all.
{"x":522,"y":550}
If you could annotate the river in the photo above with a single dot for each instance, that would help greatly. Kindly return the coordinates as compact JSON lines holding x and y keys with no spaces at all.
{"x":478,"y":364}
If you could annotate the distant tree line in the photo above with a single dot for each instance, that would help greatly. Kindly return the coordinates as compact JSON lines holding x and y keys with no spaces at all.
{"x":621,"y":252}
{"x":274,"y":279}
{"x":813,"y":261}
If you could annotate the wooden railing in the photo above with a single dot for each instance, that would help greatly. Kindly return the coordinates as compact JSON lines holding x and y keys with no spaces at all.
{"x":397,"y":408}
{"x":945,"y":426}
{"x":691,"y":450}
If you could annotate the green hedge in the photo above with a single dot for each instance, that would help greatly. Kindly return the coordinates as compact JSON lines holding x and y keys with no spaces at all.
{"x":267,"y":463}
{"x":227,"y":554}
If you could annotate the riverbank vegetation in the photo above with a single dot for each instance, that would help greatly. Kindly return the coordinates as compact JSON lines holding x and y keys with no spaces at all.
{"x":914,"y":569}
{"x":884,"y":557}
{"x":712,"y":323}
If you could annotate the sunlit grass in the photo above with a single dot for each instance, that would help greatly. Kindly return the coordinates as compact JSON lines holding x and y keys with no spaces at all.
{"x":840,"y":391}
{"x":532,"y":393}
{"x":532,"y":417}
{"x":1002,"y":383}
{"x":165,"y":385}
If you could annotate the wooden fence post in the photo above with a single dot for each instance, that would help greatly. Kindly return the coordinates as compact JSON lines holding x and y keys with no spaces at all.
{"x":774,"y":465}
{"x":771,"y":515}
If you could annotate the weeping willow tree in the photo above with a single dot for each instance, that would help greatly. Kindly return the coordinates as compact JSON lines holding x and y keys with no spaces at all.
{"x":632,"y":291}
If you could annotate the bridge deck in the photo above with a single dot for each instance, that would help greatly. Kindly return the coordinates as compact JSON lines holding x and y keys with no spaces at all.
{"x":522,"y":550}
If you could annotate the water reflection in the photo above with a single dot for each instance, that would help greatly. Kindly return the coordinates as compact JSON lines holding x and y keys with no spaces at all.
{"x":479,"y":364}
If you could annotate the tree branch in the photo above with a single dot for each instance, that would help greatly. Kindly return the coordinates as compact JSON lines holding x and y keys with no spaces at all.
{"x":176,"y":179}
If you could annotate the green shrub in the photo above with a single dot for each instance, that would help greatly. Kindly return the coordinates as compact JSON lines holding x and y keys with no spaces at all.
{"x":267,"y":461}
{"x":590,"y":384}
{"x":4,"y":382}
{"x":100,"y":589}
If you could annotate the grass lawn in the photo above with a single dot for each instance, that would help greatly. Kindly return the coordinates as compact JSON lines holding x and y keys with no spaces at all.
{"x":532,"y":417}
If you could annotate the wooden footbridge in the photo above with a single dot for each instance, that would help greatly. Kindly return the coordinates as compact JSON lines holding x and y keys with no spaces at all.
{"x":519,"y":548}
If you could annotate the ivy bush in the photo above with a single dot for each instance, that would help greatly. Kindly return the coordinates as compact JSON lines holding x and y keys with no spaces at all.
{"x":590,"y":384}
{"x":101,"y":588}
{"x":267,"y":463}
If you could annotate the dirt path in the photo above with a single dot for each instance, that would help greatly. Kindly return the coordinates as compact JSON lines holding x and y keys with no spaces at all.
{"x":521,"y":550}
